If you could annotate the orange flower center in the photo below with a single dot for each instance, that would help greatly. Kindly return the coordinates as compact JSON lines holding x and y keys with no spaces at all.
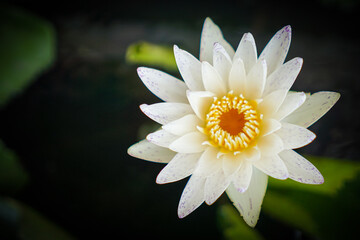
{"x":232,"y":123}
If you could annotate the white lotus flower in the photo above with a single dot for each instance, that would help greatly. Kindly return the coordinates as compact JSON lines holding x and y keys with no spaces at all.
{"x":231,"y":122}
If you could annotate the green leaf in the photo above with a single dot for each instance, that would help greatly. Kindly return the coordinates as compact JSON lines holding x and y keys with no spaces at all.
{"x":30,"y":224}
{"x":151,"y":54}
{"x":334,"y":171}
{"x":233,"y":226}
{"x":27,"y":48}
{"x":282,"y":207}
{"x":12,"y":175}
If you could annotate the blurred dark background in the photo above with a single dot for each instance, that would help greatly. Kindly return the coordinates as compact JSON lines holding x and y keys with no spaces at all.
{"x":72,"y":126}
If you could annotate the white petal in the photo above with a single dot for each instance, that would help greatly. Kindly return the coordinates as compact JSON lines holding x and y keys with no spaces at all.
{"x":271,"y":103}
{"x":270,"y":144}
{"x":231,"y":163}
{"x":255,"y":81}
{"x":208,"y":162}
{"x":151,"y":152}
{"x":212,"y":80}
{"x":183,"y":125}
{"x":242,"y":177}
{"x":215,"y":185}
{"x":276,"y":50}
{"x":273,"y":166}
{"x":252,"y":154}
{"x":237,"y":77}
{"x":313,"y":108}
{"x":284,"y":76}
{"x":163,"y":85}
{"x":165,"y":112}
{"x":294,"y":136}
{"x":247,"y":51}
{"x":200,"y":102}
{"x":161,"y":138}
{"x":189,"y":143}
{"x":221,"y":61}
{"x":292,"y":101}
{"x":192,"y":196}
{"x":269,"y":126}
{"x":181,"y":166}
{"x":249,"y":202}
{"x":190,"y":69}
{"x":211,"y":34}
{"x":300,"y":169}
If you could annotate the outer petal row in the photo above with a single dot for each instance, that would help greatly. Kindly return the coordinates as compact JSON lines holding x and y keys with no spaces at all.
{"x":315,"y":106}
{"x":151,"y":152}
{"x":190,"y":69}
{"x":300,"y":169}
{"x":192,"y":196}
{"x":276,"y":50}
{"x":166,"y":112}
{"x":294,"y":136}
{"x":163,"y":85}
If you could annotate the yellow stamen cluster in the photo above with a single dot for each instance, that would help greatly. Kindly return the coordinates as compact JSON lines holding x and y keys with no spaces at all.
{"x":232,"y":123}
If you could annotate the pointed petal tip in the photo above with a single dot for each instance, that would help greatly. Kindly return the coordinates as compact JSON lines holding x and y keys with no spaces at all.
{"x":130,"y":151}
{"x":181,"y":215}
{"x":299,"y":60}
{"x":321,"y":180}
{"x":176,"y":50}
{"x":183,"y":212}
{"x":318,"y":180}
{"x":208,"y":20}
{"x":140,"y":72}
{"x":337,"y":96}
{"x":287,"y":28}
{"x":143,"y":106}
{"x":160,"y":180}
{"x":248,"y":36}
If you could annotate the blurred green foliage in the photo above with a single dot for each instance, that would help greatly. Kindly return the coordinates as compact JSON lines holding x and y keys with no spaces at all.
{"x":233,"y":226}
{"x":12,"y":175}
{"x":26,"y":223}
{"x":27,"y":48}
{"x":151,"y":54}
